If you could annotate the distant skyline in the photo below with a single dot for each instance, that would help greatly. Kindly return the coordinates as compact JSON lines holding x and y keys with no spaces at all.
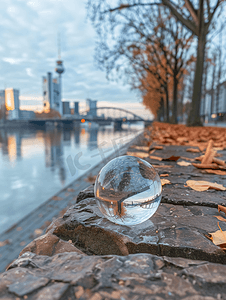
{"x":28,"y":50}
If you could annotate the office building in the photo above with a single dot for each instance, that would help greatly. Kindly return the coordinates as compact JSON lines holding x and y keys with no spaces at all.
{"x":91,"y":107}
{"x":9,"y":101}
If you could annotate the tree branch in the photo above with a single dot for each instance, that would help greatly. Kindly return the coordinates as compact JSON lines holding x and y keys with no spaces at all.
{"x":123,"y":6}
{"x":192,"y":11}
{"x":189,"y":24}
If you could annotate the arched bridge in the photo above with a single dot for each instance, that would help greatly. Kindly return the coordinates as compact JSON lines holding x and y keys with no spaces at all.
{"x":114,"y":113}
{"x":101,"y":115}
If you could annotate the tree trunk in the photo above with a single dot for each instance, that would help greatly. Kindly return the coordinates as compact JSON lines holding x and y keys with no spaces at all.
{"x":174,"y":110}
{"x":194,"y":116}
{"x":167,"y":105}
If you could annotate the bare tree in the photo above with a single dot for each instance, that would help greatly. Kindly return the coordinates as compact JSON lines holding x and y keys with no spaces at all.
{"x":197,"y":18}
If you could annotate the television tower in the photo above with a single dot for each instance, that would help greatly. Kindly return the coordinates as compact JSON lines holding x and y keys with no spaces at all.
{"x":59,"y":69}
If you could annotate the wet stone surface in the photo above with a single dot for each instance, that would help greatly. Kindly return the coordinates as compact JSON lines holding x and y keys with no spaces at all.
{"x":132,"y":277}
{"x":174,"y":230}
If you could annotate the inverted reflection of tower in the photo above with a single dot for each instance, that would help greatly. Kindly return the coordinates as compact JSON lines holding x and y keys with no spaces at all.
{"x":93,"y":132}
{"x":60,"y":70}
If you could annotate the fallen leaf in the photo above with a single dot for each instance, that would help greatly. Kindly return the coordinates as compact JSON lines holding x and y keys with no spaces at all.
{"x":90,"y":178}
{"x":155,"y":148}
{"x":217,"y":172}
{"x":38,"y":231}
{"x":165,"y":181}
{"x":138,"y":154}
{"x":5,"y":242}
{"x":187,"y":158}
{"x":22,"y":243}
{"x":56,"y":198}
{"x":164,"y":175}
{"x":183,"y":163}
{"x":70,"y":190}
{"x":193,"y":150}
{"x":205,"y":166}
{"x":222,"y":208}
{"x":171,"y":158}
{"x":218,"y":161}
{"x":202,"y":147}
{"x":219,"y":237}
{"x":218,"y":148}
{"x":19,"y":228}
{"x":201,"y":186}
{"x":144,"y":148}
{"x":220,"y":218}
{"x":162,"y":166}
{"x":155,"y":157}
{"x":209,"y":154}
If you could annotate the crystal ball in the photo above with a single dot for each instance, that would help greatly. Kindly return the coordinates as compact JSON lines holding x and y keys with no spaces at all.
{"x":128,"y":190}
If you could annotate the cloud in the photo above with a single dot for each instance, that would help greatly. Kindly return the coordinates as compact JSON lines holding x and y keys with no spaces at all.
{"x":29,"y":32}
{"x":29,"y":72}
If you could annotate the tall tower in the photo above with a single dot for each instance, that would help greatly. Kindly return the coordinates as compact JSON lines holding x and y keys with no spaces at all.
{"x":59,"y":69}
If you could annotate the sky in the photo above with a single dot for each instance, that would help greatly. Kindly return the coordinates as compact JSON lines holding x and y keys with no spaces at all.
{"x":29,"y":49}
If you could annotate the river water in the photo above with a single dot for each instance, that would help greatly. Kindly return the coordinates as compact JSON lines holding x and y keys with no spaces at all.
{"x":36,"y":164}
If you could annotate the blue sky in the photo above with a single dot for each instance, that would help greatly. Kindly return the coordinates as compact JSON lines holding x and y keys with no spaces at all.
{"x":28,"y":50}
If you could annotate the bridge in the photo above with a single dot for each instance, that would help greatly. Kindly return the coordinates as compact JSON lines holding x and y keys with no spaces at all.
{"x":101,"y":115}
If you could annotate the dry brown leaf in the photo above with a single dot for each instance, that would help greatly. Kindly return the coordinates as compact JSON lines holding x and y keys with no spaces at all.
{"x":56,"y":198}
{"x":5,"y":242}
{"x":209,"y":154}
{"x":183,"y":163}
{"x":193,"y":150}
{"x":162,"y":166}
{"x":205,"y":166}
{"x":202,"y":147}
{"x":219,"y":237}
{"x":138,"y":154}
{"x":217,"y":172}
{"x":202,"y":185}
{"x":222,"y":208}
{"x":22,"y":243}
{"x":155,"y":157}
{"x":19,"y":228}
{"x":38,"y":231}
{"x":164,"y":175}
{"x":156,"y":148}
{"x":70,"y":190}
{"x":165,"y":181}
{"x":218,"y":161}
{"x":220,"y":218}
{"x":187,"y":158}
{"x":144,"y":148}
{"x":171,"y":158}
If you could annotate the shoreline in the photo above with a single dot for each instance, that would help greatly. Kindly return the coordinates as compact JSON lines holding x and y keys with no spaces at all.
{"x":32,"y":225}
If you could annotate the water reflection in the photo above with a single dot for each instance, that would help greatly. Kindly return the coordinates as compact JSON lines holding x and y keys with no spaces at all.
{"x":34,"y":164}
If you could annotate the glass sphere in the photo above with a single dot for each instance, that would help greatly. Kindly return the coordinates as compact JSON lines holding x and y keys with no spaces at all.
{"x":128,"y":190}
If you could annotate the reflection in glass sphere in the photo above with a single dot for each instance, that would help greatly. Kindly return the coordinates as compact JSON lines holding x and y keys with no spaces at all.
{"x":128,"y":190}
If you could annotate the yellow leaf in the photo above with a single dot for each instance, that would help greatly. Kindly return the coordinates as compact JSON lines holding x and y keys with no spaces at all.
{"x":217,"y":172}
{"x":183,"y":163}
{"x":155,"y":157}
{"x":220,"y":218}
{"x":193,"y":150}
{"x":219,"y":237}
{"x":201,"y":186}
{"x":165,"y":181}
{"x":138,"y":154}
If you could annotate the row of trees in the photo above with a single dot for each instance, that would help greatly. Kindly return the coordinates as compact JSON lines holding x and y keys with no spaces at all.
{"x":156,"y":44}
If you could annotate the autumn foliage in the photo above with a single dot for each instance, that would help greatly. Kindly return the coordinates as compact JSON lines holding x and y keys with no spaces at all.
{"x":51,"y":114}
